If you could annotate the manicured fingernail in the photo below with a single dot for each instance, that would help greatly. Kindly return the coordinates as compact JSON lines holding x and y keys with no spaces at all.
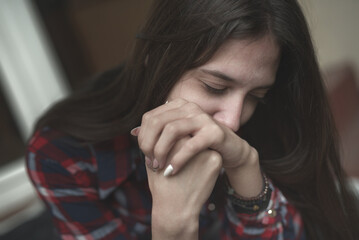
{"x":134,"y":132}
{"x":148,"y":162}
{"x":155,"y":164}
{"x":168,"y":170}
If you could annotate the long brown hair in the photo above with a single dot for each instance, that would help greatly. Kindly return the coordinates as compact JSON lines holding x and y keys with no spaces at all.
{"x":294,"y":132}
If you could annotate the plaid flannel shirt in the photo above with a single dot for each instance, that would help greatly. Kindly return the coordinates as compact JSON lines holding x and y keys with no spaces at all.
{"x":101,"y":192}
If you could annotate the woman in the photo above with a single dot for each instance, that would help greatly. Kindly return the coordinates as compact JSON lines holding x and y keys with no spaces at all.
{"x":231,"y":131}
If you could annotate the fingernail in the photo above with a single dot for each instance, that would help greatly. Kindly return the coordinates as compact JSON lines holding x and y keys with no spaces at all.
{"x":148,"y":162}
{"x":155,"y":164}
{"x":166,"y":102}
{"x":134,"y":132}
{"x":168,"y":170}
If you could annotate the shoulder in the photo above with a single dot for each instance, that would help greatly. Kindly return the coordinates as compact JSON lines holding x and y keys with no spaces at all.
{"x":56,"y":145}
{"x":53,"y":154}
{"x":54,"y":158}
{"x":53,"y":144}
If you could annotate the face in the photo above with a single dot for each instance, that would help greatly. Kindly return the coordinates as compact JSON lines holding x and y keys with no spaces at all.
{"x":231,"y":84}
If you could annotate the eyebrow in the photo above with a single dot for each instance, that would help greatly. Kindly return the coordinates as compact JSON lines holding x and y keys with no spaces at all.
{"x":226,"y":78}
{"x":218,"y":74}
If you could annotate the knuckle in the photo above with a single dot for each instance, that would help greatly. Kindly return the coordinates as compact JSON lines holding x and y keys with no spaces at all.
{"x":145,"y":147}
{"x":171,"y":128}
{"x":215,"y":159}
{"x":253,"y":154}
{"x":192,"y":147}
{"x":204,"y":118}
{"x":155,"y":121}
{"x":158,"y":152}
{"x":190,"y":106}
{"x":146,"y":116}
{"x":217,"y":132}
{"x":179,"y":101}
{"x":140,"y":141}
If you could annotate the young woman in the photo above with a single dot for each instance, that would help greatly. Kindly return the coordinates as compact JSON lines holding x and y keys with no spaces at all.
{"x":216,"y":127}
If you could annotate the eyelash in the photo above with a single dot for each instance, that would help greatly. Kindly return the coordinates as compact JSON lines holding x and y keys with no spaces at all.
{"x":215,"y":91}
{"x":221,"y":91}
{"x":262,"y":100}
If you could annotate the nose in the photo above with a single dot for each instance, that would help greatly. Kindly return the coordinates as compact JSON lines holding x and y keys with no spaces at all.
{"x":229,"y":113}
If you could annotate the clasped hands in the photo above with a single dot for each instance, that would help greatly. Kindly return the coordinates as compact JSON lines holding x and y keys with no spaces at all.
{"x":178,"y":138}
{"x":163,"y":127}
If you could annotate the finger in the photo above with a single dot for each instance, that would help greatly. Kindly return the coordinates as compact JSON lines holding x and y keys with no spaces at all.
{"x":171,"y":133}
{"x":176,"y":147}
{"x":203,"y":133}
{"x":202,"y":140}
{"x":167,"y":106}
{"x":201,"y":159}
{"x":153,"y":126}
{"x":134,"y":132}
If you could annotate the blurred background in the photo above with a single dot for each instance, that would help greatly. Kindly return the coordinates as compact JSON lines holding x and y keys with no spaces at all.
{"x":48,"y":48}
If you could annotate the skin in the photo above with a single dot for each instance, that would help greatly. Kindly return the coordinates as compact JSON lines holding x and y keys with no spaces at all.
{"x":196,"y":133}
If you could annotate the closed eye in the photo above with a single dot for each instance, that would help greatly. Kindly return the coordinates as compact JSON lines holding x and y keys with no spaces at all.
{"x":260,"y":99}
{"x":215,"y":90}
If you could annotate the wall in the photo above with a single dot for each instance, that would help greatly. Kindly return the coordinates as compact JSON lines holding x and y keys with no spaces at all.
{"x":335,"y":30}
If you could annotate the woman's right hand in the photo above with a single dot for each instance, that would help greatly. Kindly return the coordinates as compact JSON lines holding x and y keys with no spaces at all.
{"x":177,"y":200}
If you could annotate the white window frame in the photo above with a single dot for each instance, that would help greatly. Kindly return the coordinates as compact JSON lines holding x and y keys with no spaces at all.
{"x":31,"y":80}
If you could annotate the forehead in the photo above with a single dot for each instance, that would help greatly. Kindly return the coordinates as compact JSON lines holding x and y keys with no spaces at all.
{"x":248,"y":59}
{"x":261,"y":51}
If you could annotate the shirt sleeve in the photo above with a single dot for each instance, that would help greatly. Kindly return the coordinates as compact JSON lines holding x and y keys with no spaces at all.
{"x":280,"y":220}
{"x":65,"y":177}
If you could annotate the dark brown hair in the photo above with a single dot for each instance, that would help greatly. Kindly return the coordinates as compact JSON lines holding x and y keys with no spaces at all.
{"x":294,"y":132}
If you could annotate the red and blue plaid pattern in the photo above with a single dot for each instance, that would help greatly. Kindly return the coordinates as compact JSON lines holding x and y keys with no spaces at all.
{"x":101,"y":192}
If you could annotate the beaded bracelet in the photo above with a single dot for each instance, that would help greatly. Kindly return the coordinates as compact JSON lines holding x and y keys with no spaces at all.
{"x":252,"y":204}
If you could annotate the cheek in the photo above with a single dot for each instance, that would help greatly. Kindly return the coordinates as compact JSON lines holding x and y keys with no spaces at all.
{"x":190,"y":92}
{"x":180,"y":90}
{"x":247,"y":111}
{"x":190,"y":95}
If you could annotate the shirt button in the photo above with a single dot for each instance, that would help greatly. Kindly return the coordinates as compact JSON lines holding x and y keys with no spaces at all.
{"x":211,"y":207}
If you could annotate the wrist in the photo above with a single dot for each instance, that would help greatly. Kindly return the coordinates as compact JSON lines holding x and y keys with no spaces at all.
{"x":250,"y":167}
{"x":251,"y":161}
{"x":174,"y":226}
{"x":249,"y":205}
{"x":246,"y":179}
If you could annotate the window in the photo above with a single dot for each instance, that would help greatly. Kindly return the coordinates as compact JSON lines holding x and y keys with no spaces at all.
{"x":11,"y":143}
